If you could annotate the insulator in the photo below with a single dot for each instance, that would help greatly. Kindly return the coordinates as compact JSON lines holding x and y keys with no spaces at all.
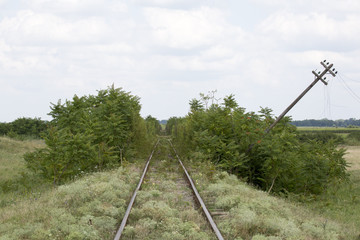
{"x":319,"y":72}
{"x":324,"y":78}
{"x":327,"y":63}
{"x":336,"y":72}
{"x":324,"y":60}
{"x":333,"y":69}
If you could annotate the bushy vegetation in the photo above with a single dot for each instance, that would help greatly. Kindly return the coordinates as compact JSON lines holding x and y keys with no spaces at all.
{"x":353,"y":138}
{"x":235,"y":140}
{"x":91,"y":133}
{"x":24,"y":127}
{"x":153,"y":126}
{"x":323,"y":137}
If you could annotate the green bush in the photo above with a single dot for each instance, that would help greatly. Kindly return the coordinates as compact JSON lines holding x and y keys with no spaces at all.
{"x":355,"y":135}
{"x":322,"y":137}
{"x":91,"y":133}
{"x":235,"y":140}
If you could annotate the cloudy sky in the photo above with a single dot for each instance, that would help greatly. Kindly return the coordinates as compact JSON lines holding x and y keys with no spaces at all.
{"x":168,"y":51}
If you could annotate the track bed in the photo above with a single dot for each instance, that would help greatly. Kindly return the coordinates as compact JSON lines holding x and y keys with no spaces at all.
{"x":165,"y":207}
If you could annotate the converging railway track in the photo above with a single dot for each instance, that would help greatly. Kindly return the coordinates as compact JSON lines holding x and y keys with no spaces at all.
{"x":166,"y":201}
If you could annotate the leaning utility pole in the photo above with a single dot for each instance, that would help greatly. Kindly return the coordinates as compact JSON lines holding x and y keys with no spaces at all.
{"x":318,"y":76}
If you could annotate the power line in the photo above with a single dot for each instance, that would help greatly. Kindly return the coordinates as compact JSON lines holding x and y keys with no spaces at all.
{"x":348,"y":88}
{"x":349,"y":78}
{"x":327,"y":103}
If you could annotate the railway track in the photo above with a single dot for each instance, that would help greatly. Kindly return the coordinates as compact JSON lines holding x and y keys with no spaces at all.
{"x":165,"y":184}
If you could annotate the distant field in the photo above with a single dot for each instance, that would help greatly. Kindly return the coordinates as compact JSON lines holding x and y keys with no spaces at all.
{"x":328,"y":129}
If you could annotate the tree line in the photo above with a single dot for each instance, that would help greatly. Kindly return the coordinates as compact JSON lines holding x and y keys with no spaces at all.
{"x":32,"y":127}
{"x":235,"y":141}
{"x":351,"y":122}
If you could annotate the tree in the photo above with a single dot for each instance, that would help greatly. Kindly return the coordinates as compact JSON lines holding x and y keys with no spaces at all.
{"x":90,"y":133}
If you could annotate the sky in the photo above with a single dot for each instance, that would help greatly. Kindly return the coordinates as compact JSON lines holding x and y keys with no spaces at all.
{"x":167,"y":52}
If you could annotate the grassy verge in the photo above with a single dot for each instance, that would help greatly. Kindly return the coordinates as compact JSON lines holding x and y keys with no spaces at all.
{"x":342,"y":202}
{"x":245,"y":213}
{"x":89,"y":208}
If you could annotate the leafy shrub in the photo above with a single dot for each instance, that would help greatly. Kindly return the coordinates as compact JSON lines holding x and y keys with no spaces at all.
{"x":354,"y":135}
{"x":322,"y":137}
{"x":238,"y":142}
{"x":91,"y":133}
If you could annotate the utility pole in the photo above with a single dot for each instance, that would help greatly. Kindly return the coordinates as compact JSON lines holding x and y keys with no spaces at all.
{"x":318,"y":77}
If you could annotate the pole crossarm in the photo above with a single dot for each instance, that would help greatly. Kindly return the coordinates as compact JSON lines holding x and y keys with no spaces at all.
{"x":318,"y":77}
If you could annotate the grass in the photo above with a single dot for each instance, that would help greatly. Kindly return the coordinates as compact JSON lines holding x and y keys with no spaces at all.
{"x":329,"y":129}
{"x":342,"y":202}
{"x":353,"y":158}
{"x":16,"y":181}
{"x":11,"y":160}
{"x":246,"y":213}
{"x":164,"y":208}
{"x":92,"y":206}
{"x":89,"y":208}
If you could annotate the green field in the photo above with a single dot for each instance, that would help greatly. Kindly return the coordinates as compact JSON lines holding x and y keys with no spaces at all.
{"x":328,"y":129}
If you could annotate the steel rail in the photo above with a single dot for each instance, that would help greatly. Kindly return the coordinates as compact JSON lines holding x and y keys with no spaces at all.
{"x":199,"y":199}
{"x":127,"y":213}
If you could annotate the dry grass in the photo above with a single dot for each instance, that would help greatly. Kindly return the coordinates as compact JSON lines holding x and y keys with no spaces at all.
{"x":248,"y":213}
{"x":353,"y":157}
{"x":89,"y":208}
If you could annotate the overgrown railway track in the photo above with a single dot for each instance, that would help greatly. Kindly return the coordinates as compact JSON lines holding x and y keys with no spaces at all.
{"x":180,"y":180}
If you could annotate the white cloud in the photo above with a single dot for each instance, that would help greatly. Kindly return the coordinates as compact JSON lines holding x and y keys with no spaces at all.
{"x":312,"y":30}
{"x":183,"y":4}
{"x":30,"y":28}
{"x":83,"y":6}
{"x":315,"y":6}
{"x":186,"y":29}
{"x":210,"y":41}
{"x":170,"y":50}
